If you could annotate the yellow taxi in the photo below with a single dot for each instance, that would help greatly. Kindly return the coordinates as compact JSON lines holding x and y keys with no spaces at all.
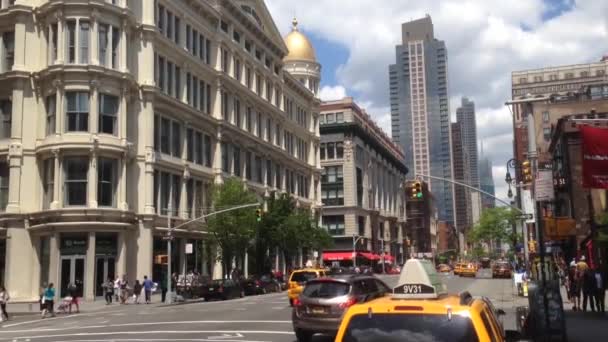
{"x":458,"y":267}
{"x":420,"y":309}
{"x":298,"y":279}
{"x":468,"y":270}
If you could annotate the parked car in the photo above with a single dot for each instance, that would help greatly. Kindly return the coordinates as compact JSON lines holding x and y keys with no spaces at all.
{"x":255,"y":285}
{"x":443,"y":268}
{"x":223,"y":289}
{"x":321,"y":304}
{"x":501,"y":269}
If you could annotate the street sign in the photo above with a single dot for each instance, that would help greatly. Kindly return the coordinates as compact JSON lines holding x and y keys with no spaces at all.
{"x":525,"y":217}
{"x":543,"y":186}
{"x":189,"y":248}
{"x":168,"y":237}
{"x":527,"y":204}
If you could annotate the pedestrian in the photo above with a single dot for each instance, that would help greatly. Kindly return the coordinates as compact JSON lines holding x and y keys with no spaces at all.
{"x":163,"y":288}
{"x":574,"y":288}
{"x":589,"y":288}
{"x":73,"y":293}
{"x":600,"y":292}
{"x":136,"y":291}
{"x":582,"y":265}
{"x":4,"y":297}
{"x":124,"y":289}
{"x":41,"y":296}
{"x":108,"y":289}
{"x":49,"y":301}
{"x":117,"y":289}
{"x":148,"y":285}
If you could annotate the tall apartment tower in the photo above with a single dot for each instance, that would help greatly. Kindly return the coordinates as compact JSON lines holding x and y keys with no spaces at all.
{"x":465,"y":115}
{"x":462,"y":172}
{"x":486,"y":179}
{"x":420,"y":109}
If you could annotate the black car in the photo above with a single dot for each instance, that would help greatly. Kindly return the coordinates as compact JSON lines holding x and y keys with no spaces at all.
{"x":323,"y":301}
{"x":255,"y":285}
{"x":223,"y":289}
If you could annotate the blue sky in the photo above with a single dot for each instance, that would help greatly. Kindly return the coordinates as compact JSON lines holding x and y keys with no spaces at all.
{"x":331,"y":56}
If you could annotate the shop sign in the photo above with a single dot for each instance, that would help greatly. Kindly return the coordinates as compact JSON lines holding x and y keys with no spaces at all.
{"x":105,"y":244}
{"x":189,"y":248}
{"x":543,"y":186}
{"x":595,"y":157}
{"x":74,"y":245}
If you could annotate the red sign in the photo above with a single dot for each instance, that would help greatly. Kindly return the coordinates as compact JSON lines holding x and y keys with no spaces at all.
{"x":595,"y":157}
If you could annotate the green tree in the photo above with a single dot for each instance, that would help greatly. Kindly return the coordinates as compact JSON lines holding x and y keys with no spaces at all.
{"x":232,"y":231}
{"x":495,"y":227}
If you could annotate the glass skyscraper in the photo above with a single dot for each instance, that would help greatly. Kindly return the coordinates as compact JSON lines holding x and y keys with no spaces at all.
{"x":420,"y":116}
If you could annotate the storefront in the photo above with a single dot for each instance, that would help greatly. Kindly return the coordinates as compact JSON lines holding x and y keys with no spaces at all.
{"x":106,"y":250}
{"x":73,"y":251}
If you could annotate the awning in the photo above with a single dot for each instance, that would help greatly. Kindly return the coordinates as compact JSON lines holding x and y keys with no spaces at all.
{"x":370,"y":256}
{"x":337,"y":256}
{"x":389,"y":258}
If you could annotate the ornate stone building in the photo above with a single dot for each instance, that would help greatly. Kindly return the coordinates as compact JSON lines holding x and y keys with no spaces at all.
{"x":118,"y":116}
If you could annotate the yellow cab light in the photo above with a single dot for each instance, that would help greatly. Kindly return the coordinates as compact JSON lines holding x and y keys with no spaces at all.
{"x":418,"y":280}
{"x":408,"y":308}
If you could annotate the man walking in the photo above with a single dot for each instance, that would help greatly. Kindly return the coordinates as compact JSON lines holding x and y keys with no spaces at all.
{"x":589,"y":289}
{"x":148,"y":285}
{"x":600,"y":291}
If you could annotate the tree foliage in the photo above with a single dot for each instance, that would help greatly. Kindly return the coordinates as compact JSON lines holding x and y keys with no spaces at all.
{"x":232,"y":231}
{"x":495,"y":226}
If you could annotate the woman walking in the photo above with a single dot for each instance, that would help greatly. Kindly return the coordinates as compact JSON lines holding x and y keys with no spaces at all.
{"x":4,"y":297}
{"x":136,"y":291}
{"x":73,"y":293}
{"x":49,"y":301}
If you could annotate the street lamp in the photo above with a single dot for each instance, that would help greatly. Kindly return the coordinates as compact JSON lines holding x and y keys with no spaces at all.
{"x":356,"y":239}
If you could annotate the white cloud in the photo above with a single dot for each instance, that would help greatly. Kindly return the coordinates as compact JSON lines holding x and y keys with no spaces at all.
{"x":486,"y":41}
{"x":330,"y":93}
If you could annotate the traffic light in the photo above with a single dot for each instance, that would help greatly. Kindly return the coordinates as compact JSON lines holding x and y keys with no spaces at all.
{"x":526,"y":171}
{"x":258,"y":215}
{"x":417,"y":190}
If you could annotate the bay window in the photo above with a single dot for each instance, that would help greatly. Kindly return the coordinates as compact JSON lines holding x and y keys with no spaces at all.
{"x":77,"y":111}
{"x":76,"y":170}
{"x":108,"y":112}
{"x":48,"y":182}
{"x":6,"y":108}
{"x":107,"y":176}
{"x":51,"y":109}
{"x":4,"y":185}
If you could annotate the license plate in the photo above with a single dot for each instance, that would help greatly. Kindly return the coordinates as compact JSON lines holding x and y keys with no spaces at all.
{"x":318,"y":310}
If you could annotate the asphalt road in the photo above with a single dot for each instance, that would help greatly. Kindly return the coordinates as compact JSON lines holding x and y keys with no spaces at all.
{"x":256,"y":318}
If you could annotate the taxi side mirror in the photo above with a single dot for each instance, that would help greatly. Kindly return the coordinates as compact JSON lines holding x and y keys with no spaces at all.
{"x":500,"y":312}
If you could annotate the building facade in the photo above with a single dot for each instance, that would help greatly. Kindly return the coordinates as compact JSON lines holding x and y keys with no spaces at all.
{"x":486,"y":181}
{"x":119,"y":116}
{"x":465,"y":115}
{"x":361,"y":184}
{"x":420,"y":116}
{"x":462,"y":173}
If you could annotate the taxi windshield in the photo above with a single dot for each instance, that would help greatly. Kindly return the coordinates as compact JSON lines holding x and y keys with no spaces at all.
{"x":409,"y":327}
{"x":302,"y":277}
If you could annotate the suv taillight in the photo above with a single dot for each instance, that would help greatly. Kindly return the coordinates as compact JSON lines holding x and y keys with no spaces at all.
{"x":297,"y":302}
{"x":348,"y":303}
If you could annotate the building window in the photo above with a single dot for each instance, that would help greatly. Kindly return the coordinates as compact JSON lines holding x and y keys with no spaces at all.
{"x":249,"y":167}
{"x":545,"y":117}
{"x":225,"y":161}
{"x":224,"y":105}
{"x":84,"y":41}
{"x":339,"y":150}
{"x":258,"y":170}
{"x":52,"y":38}
{"x":4,"y":185}
{"x":190,"y":145}
{"x":236,"y":161}
{"x":237,"y":69}
{"x":109,"y":39}
{"x":332,"y":185}
{"x":259,"y":125}
{"x":107,"y":170}
{"x":330,"y":150}
{"x":237,"y":113}
{"x":178,"y":83}
{"x":8,"y":40}
{"x":165,"y":135}
{"x":76,"y":170}
{"x":48,"y":182}
{"x":207,"y":147}
{"x":77,"y":111}
{"x":248,"y":77}
{"x":176,"y":140}
{"x":108,"y":111}
{"x":248,"y":120}
{"x":547,"y":133}
{"x":330,"y":118}
{"x":6,"y":108}
{"x":334,"y":224}
{"x":51,"y":109}
{"x":339,"y":117}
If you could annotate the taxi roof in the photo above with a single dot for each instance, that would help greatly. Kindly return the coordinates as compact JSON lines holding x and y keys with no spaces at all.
{"x":419,"y":280}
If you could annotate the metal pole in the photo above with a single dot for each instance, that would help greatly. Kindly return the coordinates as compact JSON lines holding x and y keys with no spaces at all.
{"x":382,"y":243}
{"x":168,"y":299}
{"x":354,"y":251}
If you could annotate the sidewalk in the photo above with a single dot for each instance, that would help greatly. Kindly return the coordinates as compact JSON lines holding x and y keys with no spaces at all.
{"x":24,"y":309}
{"x":584,"y":326}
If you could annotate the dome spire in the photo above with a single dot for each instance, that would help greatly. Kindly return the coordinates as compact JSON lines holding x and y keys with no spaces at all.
{"x":294,"y":24}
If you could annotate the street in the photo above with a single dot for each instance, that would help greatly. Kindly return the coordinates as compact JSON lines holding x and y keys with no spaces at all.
{"x":256,"y":318}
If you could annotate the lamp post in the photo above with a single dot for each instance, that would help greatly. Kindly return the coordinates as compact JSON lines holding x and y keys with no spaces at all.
{"x":516,"y":165}
{"x":355,"y":240}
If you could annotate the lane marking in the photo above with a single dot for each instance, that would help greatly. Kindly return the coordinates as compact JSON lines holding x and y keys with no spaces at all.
{"x":145,"y":323}
{"x":176,"y":332}
{"x":57,"y":318}
{"x":278,"y":307}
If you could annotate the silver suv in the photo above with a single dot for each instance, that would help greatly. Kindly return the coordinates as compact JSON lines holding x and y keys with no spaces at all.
{"x":321,"y":304}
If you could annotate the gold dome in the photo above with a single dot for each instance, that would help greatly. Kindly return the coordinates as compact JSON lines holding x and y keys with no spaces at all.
{"x":300,"y":48}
